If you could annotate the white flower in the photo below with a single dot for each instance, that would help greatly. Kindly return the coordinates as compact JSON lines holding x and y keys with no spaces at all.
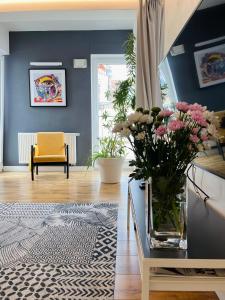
{"x":133,"y":127}
{"x":140,"y":136}
{"x":212,"y":130}
{"x":150,"y":120}
{"x":134,"y":117}
{"x":204,"y":131}
{"x":144,"y":119}
{"x":211,"y":117}
{"x":126,"y":124}
{"x":125,"y":132}
{"x":117,"y":128}
{"x":177,"y":115}
{"x":200,"y":147}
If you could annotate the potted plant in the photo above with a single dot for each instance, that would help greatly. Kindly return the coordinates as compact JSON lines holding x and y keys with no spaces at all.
{"x":110,"y":158}
{"x":165,"y":142}
{"x":110,"y":154}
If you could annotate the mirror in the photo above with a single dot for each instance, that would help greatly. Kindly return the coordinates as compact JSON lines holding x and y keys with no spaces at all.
{"x":197,"y":58}
{"x":194,"y":69}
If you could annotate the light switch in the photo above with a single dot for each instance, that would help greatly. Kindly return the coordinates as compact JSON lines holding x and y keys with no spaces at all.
{"x":80,"y":63}
{"x":177,"y":50}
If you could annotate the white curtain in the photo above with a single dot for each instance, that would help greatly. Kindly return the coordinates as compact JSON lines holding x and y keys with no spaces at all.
{"x":150,"y":45}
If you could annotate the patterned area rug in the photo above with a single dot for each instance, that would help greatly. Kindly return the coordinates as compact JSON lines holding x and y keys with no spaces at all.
{"x":57,"y":252}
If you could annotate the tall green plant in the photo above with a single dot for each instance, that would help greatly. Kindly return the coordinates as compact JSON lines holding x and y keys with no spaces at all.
{"x":123,"y":100}
{"x":124,"y":96}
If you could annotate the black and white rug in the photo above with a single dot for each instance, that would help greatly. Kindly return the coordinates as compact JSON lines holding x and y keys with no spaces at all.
{"x":57,"y":252}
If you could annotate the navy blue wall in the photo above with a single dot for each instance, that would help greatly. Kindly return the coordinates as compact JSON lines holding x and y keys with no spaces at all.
{"x":204,"y":25}
{"x":61,"y":46}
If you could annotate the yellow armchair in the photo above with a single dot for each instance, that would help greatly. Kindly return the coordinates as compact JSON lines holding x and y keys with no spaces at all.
{"x":50,"y":150}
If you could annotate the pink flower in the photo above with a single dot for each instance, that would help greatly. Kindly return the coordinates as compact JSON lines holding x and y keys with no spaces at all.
{"x":198,"y":117}
{"x":197,"y":107}
{"x":196,"y":130}
{"x":175,"y":125}
{"x":204,"y":137}
{"x":194,"y":139}
{"x":182,"y":106}
{"x":165,"y":113}
{"x":161,"y":130}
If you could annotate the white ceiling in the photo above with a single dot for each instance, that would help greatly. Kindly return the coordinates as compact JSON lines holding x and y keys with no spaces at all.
{"x":210,"y":3}
{"x":68,"y":20}
{"x":42,"y":5}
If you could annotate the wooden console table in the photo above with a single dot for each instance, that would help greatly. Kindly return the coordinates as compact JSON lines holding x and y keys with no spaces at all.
{"x":202,"y":251}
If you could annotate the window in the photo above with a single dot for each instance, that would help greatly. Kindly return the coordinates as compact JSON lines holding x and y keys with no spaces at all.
{"x":108,"y":78}
{"x":168,"y":90}
{"x":107,"y":72}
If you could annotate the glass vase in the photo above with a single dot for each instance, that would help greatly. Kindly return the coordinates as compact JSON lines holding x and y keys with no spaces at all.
{"x":167,"y":212}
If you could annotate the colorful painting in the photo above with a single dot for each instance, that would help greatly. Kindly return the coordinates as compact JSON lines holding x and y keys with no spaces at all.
{"x":48,"y":87}
{"x":210,"y":64}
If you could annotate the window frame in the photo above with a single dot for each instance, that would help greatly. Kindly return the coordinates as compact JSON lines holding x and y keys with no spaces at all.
{"x":96,"y":59}
{"x":164,"y":67}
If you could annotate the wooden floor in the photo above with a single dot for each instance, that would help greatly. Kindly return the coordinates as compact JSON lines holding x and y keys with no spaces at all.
{"x":86,"y":187}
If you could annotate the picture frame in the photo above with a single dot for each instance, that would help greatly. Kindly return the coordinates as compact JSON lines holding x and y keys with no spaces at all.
{"x":210,"y":65}
{"x":47,"y":87}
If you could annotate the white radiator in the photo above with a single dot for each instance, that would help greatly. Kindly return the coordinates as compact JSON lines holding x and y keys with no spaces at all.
{"x":25,"y":140}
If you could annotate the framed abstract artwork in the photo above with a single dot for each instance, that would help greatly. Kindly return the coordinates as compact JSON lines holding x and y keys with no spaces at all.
{"x":47,"y":87}
{"x":210,"y":65}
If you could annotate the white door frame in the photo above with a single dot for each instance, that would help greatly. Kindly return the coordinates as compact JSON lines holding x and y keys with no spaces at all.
{"x":96,"y":59}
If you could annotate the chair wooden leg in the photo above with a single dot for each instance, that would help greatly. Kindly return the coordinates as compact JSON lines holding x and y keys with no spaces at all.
{"x":67,"y":162}
{"x":36,"y":170}
{"x":220,"y":150}
{"x":67,"y":171}
{"x":223,"y":154}
{"x":32,"y":172}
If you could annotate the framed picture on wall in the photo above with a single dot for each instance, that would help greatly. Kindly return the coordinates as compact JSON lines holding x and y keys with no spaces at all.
{"x":47,"y":87}
{"x":210,"y":65}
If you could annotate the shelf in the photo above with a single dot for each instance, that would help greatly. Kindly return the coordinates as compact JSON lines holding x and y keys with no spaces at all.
{"x":185,"y":283}
{"x":206,"y":246}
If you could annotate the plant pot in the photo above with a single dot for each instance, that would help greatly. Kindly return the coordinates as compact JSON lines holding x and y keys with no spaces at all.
{"x":167,"y":213}
{"x":110,"y":169}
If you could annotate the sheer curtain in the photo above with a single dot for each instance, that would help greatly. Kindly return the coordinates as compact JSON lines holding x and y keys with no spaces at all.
{"x":150,"y":42}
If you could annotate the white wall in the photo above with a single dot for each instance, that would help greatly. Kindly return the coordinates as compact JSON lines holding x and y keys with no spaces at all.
{"x":40,"y":5}
{"x":177,"y":13}
{"x":4,"y":41}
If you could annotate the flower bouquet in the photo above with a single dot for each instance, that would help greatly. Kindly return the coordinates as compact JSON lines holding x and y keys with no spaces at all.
{"x":164,"y":143}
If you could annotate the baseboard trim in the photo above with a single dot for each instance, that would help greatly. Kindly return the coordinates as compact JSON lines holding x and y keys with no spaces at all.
{"x":56,"y":169}
{"x":45,"y":169}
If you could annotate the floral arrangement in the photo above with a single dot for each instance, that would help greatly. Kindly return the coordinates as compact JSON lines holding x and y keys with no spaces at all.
{"x":164,"y":141}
